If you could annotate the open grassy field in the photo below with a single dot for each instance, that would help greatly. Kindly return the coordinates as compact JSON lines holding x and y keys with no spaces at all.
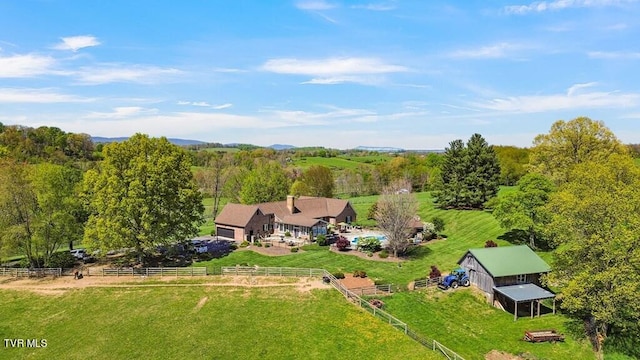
{"x":457,"y":319}
{"x":333,"y":163}
{"x":198,"y":323}
{"x":464,"y":321}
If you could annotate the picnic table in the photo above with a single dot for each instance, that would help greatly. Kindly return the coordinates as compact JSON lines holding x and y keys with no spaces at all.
{"x":543,"y":335}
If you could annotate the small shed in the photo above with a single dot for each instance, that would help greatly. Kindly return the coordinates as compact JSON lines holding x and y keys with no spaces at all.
{"x":509,"y":274}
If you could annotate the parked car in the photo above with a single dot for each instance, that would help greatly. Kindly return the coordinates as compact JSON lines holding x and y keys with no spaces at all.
{"x":79,"y":254}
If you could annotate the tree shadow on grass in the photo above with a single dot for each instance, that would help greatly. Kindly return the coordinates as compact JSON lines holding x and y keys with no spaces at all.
{"x":515,"y":236}
{"x":418,"y":252}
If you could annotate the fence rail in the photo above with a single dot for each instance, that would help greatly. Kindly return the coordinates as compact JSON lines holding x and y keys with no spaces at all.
{"x":386,"y":289}
{"x":271,"y":271}
{"x":163,"y":271}
{"x":427,"y":282}
{"x":36,"y":272}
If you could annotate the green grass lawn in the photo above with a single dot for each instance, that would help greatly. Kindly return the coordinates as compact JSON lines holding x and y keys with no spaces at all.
{"x":167,"y":323}
{"x":459,"y":320}
{"x":466,"y":323}
{"x":333,"y":163}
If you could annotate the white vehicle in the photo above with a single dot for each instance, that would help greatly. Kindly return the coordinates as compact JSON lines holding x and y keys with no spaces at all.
{"x":79,"y":254}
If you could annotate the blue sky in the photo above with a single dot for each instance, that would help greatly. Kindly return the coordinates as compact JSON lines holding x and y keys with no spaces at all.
{"x":411,"y":74}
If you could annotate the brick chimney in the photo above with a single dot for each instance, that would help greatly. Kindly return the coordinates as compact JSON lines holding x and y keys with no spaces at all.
{"x":291,"y":203}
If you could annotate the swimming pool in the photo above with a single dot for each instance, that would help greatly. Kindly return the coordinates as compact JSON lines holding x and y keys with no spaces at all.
{"x":381,"y":238}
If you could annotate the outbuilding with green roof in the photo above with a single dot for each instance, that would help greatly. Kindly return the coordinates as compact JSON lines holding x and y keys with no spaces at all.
{"x":507,"y":273}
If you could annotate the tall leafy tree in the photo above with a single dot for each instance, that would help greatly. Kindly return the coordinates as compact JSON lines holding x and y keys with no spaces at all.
{"x":394,"y":213}
{"x":317,"y":180}
{"x":470,"y":174}
{"x":513,"y":163}
{"x":569,"y":143}
{"x":524,"y":208}
{"x":596,"y":225}
{"x":39,"y":209}
{"x":143,"y":195}
{"x":267,"y":182}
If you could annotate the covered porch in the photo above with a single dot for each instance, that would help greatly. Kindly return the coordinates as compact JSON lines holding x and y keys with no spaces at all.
{"x":526,"y":294}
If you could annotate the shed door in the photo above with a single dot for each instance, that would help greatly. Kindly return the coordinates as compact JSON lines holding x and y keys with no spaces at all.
{"x":224,"y":232}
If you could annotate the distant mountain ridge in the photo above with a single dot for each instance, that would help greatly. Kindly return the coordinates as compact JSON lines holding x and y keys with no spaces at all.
{"x":281,"y":147}
{"x":105,"y":140}
{"x":379,"y":149}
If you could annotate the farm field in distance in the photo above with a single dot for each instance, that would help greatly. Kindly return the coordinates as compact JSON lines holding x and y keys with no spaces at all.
{"x":198,"y":323}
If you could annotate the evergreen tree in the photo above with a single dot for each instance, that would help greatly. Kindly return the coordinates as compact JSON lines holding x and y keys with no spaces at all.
{"x":470,"y":174}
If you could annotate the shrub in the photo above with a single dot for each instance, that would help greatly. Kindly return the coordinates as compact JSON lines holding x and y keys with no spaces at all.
{"x":435,"y":272}
{"x":233,"y":246}
{"x":287,"y":234}
{"x":369,"y":254}
{"x":267,"y":245}
{"x":369,"y":244}
{"x":342,"y":243}
{"x":338,"y":275}
{"x":62,"y":259}
{"x":360,"y":273}
{"x":490,"y":243}
{"x":294,"y":249}
{"x":322,"y":240}
{"x":383,"y":254}
{"x":244,"y":244}
{"x":258,"y":244}
{"x":37,"y":263}
{"x":438,"y":224}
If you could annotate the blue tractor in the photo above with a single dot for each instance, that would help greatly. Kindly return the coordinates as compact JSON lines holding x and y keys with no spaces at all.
{"x":456,"y":278}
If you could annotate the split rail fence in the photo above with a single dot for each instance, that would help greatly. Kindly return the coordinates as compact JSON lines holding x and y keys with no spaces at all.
{"x":37,"y":272}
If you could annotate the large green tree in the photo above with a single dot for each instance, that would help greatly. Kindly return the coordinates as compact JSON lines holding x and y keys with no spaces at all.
{"x":569,"y":143}
{"x":513,"y":163}
{"x":39,"y":209}
{"x":317,"y":180}
{"x":143,"y":195}
{"x":267,"y":182}
{"x":596,"y":226}
{"x":470,"y":174}
{"x":524,"y":208}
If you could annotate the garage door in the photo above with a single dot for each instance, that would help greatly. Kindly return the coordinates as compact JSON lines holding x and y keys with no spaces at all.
{"x":224,"y":232}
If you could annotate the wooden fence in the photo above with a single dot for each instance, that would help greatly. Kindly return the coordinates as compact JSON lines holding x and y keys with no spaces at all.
{"x":37,"y":272}
{"x":271,"y":271}
{"x":427,"y":282}
{"x":386,"y":289}
{"x":161,"y":271}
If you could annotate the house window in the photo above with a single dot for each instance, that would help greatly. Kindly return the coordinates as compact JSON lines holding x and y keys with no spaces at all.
{"x":522,"y":278}
{"x":348,"y":220}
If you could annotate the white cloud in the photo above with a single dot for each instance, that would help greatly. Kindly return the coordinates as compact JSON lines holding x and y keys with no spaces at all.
{"x":75,"y":43}
{"x":205,"y":104}
{"x":495,"y":51}
{"x":571,"y":100}
{"x":375,"y":6}
{"x":122,"y":113}
{"x":334,"y":70}
{"x":577,"y":87}
{"x":111,"y":73}
{"x":542,"y":6}
{"x":19,"y":66}
{"x":614,"y":55}
{"x":222,"y":106}
{"x":315,"y":5}
{"x":42,"y":96}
